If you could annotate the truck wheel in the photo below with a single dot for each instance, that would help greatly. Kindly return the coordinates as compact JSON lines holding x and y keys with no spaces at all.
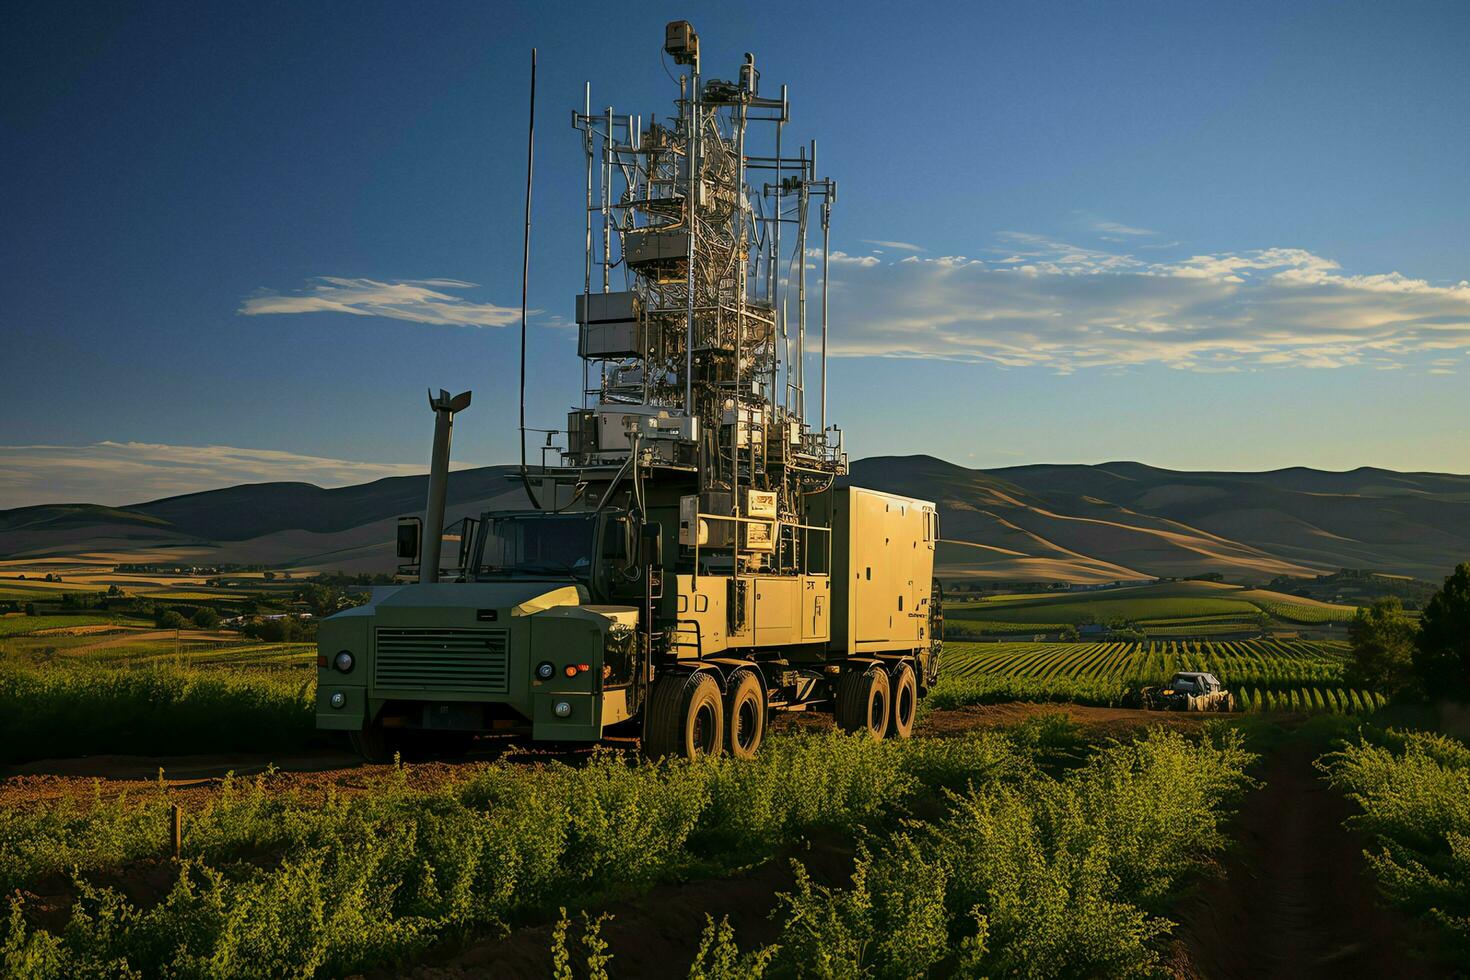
{"x":862,"y":701}
{"x":686,"y":717}
{"x":745,"y":715}
{"x":375,"y":744}
{"x":904,"y":687}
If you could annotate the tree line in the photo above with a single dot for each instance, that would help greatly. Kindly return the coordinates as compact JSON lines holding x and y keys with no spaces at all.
{"x":1430,"y":657}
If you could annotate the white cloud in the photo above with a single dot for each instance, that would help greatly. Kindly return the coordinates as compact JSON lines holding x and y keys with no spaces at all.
{"x":1050,"y":304}
{"x":1114,"y":228}
{"x":901,"y":246}
{"x":417,"y":300}
{"x":134,"y":472}
{"x":837,"y":257}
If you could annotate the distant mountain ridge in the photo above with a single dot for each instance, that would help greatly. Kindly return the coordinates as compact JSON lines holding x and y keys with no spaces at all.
{"x":1062,"y":522}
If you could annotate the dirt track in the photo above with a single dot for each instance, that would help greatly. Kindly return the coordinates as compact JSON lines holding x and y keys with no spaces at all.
{"x":1294,"y":900}
{"x":195,"y":776}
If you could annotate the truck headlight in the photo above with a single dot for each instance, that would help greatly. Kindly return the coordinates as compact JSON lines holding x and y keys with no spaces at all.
{"x":343,"y":661}
{"x":562,"y":709}
{"x":545,"y":669}
{"x":338,"y":699}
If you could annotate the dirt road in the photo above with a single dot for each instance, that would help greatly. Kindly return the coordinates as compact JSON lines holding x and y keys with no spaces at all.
{"x":336,"y":767}
{"x":1295,"y":900}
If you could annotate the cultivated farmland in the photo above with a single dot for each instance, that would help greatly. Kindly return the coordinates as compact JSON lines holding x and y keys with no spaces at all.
{"x":1165,"y":610}
{"x":1266,"y":675}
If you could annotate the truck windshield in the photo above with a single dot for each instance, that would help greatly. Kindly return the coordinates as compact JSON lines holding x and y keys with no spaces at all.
{"x":536,"y":544}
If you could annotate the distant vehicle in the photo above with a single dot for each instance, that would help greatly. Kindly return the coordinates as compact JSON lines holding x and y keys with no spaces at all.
{"x":1185,"y":691}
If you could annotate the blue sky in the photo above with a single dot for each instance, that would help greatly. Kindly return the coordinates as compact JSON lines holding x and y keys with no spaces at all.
{"x":1198,"y":235}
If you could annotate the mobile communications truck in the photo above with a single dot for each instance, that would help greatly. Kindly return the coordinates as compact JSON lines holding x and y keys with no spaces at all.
{"x":690,"y":559}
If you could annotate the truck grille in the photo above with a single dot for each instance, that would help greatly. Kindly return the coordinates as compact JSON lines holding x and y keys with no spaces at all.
{"x":443,"y":660}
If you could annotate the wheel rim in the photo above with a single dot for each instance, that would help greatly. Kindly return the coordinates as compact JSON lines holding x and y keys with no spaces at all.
{"x":746,"y":724}
{"x":703,"y":731}
{"x":877,"y":711}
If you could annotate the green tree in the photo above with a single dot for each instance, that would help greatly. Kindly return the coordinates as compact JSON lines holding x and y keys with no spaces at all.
{"x":1382,"y":638}
{"x":170,"y":619}
{"x":205,"y":618}
{"x":322,"y":599}
{"x":1069,"y":634}
{"x":30,"y":609}
{"x":1442,"y":652}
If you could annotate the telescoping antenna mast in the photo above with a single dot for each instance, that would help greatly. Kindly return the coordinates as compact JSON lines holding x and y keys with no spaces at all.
{"x":526,"y":274}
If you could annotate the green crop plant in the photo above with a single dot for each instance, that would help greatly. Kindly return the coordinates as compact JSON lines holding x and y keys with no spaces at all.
{"x":77,"y":708}
{"x":1043,"y":877}
{"x":1413,"y":789}
{"x":272,"y":883}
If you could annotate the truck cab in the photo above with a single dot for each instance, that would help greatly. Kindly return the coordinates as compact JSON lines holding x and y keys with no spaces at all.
{"x":535,"y":636}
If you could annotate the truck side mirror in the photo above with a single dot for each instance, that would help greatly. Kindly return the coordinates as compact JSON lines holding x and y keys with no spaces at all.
{"x":410,"y":532}
{"x":653,"y":545}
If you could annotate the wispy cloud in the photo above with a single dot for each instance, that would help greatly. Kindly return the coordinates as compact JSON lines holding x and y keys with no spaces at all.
{"x":1114,"y":228}
{"x":417,"y":300}
{"x":134,"y":472}
{"x":1039,"y":302}
{"x":901,"y":246}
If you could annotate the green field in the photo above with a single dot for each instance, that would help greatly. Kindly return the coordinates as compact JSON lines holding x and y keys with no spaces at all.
{"x":81,"y":695}
{"x":16,"y":624}
{"x":1102,"y":609}
{"x":1173,"y":609}
{"x":1265,"y":675}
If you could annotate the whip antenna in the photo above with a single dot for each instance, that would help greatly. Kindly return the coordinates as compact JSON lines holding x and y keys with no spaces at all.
{"x":526,"y":274}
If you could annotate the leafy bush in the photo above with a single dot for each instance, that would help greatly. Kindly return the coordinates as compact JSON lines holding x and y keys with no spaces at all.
{"x":1414,"y":791}
{"x":1044,"y":877}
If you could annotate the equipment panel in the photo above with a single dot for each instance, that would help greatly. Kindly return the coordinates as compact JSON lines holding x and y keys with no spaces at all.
{"x":883,"y":570}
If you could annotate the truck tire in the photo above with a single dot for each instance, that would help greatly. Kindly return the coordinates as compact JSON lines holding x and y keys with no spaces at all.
{"x":686,"y":717}
{"x":745,"y":714}
{"x":904,"y":690}
{"x":863,"y":701}
{"x":375,"y":744}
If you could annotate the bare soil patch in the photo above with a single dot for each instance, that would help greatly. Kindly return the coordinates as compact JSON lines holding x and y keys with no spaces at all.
{"x":1294,"y":899}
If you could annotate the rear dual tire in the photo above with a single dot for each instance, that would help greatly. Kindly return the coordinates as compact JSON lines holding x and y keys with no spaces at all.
{"x":881,"y":702}
{"x":686,"y":717}
{"x":904,"y":686}
{"x":745,"y":714}
{"x":864,"y":701}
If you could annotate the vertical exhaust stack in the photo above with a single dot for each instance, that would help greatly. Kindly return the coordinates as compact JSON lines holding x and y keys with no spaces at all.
{"x":444,"y":408}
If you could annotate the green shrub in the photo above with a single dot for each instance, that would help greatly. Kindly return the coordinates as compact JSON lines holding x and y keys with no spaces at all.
{"x":1414,"y":792}
{"x":1046,"y":877}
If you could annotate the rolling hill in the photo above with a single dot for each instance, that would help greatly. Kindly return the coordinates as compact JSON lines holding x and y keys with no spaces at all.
{"x":1077,"y":523}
